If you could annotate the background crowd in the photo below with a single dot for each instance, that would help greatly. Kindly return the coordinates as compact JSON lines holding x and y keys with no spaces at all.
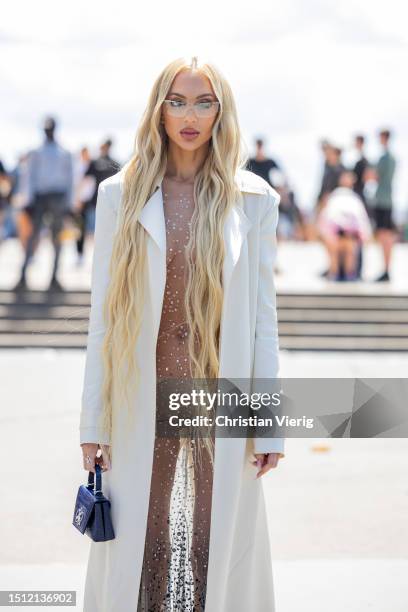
{"x":51,"y":187}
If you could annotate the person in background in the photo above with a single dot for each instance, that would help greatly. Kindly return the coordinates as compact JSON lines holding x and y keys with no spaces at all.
{"x":96,"y":171}
{"x":22,"y":210}
{"x":269,"y":170}
{"x":360,"y":168}
{"x":385,"y":228}
{"x":291,"y":223}
{"x":291,"y":220}
{"x":360,"y":172}
{"x":3,"y":199}
{"x":84,"y":191}
{"x":50,"y":193}
{"x":100,"y":169}
{"x":333,"y":167}
{"x":344,"y":226}
{"x":261,"y":164}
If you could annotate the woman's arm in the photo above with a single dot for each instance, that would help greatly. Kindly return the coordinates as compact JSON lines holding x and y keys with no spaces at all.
{"x":266,"y":355}
{"x":91,"y":404}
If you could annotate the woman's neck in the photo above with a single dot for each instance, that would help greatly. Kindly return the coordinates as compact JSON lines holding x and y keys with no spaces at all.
{"x":178,"y":180}
{"x":183,"y":166}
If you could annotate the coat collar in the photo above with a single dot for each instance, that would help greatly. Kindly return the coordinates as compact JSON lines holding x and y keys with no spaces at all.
{"x":236,"y":227}
{"x":237,"y":224}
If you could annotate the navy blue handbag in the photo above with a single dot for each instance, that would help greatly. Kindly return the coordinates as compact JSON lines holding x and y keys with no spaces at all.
{"x":92,"y":510}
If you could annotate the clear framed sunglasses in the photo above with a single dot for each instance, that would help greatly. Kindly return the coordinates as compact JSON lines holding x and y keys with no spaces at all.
{"x":178,"y":108}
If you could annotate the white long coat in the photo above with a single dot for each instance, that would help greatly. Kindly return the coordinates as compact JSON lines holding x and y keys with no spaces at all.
{"x":239,"y":570}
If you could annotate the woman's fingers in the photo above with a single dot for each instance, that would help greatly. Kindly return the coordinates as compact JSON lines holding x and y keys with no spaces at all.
{"x":106,"y":457}
{"x":265,"y":462}
{"x":89,"y":456}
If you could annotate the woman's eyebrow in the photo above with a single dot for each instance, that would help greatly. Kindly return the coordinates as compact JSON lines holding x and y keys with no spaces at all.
{"x":205,"y":95}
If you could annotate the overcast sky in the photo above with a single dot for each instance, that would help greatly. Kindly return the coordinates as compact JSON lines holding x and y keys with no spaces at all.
{"x":300,"y":70}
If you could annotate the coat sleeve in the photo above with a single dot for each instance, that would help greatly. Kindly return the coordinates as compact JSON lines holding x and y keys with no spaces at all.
{"x":266,"y":352}
{"x":91,"y":401}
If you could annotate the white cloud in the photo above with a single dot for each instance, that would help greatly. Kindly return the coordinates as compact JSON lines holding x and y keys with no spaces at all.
{"x":299,"y":70}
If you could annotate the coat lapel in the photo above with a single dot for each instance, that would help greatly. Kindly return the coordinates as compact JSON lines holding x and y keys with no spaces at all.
{"x":236,"y":227}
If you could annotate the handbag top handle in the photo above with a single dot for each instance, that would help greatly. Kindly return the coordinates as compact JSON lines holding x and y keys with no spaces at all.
{"x":98,"y":479}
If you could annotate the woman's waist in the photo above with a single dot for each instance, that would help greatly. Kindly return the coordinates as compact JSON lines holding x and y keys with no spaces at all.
{"x":175,"y":329}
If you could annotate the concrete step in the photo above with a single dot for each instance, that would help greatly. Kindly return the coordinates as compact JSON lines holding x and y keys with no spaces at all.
{"x":41,"y":326}
{"x":45,"y":298}
{"x":338,"y":316}
{"x":55,"y":341}
{"x":80,"y":326}
{"x":35,"y":311}
{"x":314,"y":321}
{"x":337,"y":343}
{"x":355,"y":302}
{"x":359,"y":330}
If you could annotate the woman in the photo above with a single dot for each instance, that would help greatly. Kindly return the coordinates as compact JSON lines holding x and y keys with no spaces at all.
{"x":344,"y":226}
{"x":182,"y":285}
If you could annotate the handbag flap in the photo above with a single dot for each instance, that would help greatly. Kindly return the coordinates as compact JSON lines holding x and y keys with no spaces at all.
{"x":84,"y":506}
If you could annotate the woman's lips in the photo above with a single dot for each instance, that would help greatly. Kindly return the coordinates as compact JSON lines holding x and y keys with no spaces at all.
{"x":189,"y":134}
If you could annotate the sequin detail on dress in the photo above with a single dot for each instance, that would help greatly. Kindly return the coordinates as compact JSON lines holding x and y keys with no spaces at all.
{"x":175,"y":564}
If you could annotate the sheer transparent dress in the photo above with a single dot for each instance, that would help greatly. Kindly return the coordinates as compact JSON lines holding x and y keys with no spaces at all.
{"x":174,"y":572}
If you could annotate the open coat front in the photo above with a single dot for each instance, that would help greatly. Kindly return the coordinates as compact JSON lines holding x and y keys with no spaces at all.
{"x":239,"y":571}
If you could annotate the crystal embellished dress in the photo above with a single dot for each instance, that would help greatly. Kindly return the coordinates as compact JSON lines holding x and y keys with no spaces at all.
{"x":174,"y":572}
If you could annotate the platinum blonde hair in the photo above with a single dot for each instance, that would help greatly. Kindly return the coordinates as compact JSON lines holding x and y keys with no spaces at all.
{"x":215,"y":192}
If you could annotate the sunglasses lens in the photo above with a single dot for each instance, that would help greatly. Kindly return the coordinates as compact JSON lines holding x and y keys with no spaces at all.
{"x":201,"y":109}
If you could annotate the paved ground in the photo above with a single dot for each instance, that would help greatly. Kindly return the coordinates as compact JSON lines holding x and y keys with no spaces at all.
{"x":309,"y":585}
{"x":300,"y":265}
{"x":337,"y":511}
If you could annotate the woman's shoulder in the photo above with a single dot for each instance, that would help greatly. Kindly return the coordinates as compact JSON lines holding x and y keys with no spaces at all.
{"x":112,"y":187}
{"x":250,"y":185}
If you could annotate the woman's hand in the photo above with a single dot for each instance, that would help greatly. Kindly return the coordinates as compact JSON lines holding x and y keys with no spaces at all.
{"x":90,"y":457}
{"x":265,"y":462}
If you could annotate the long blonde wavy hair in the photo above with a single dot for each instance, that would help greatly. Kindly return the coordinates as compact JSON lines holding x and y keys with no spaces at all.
{"x":215,"y":192}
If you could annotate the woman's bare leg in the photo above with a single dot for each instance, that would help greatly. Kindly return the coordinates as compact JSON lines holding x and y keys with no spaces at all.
{"x":157,"y":553}
{"x":333,"y":253}
{"x":348,"y":247}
